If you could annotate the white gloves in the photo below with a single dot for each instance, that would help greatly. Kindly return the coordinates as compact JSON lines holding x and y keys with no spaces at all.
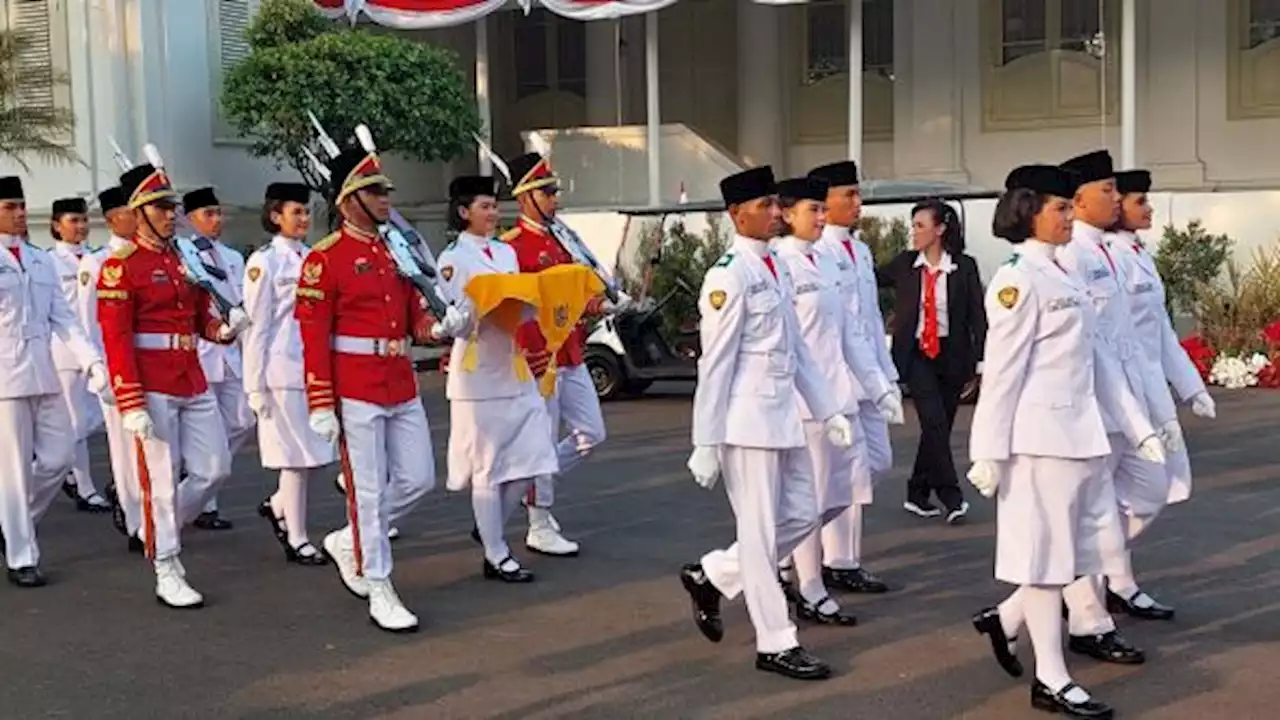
{"x":896,"y":389}
{"x":1152,"y":450}
{"x":325,"y":424}
{"x":258,"y":404}
{"x":453,"y":323}
{"x":1171,"y":433}
{"x":839,"y":431}
{"x":237,"y":321}
{"x":139,"y":423}
{"x":624,"y":303}
{"x":890,"y":406}
{"x":98,"y":380}
{"x":985,"y":476}
{"x":704,"y":463}
{"x":1203,"y":406}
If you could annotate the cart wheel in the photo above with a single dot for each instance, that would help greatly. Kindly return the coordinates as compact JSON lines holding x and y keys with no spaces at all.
{"x":606,"y":375}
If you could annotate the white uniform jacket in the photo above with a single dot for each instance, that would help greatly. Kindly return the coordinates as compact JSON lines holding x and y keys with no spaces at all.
{"x":849,"y":365}
{"x":1086,"y":255}
{"x":1152,"y":326}
{"x":753,"y":357}
{"x":222,"y":362}
{"x":496,"y":354}
{"x":87,"y":294}
{"x":856,"y":264}
{"x":33,"y":310}
{"x":1040,"y":393}
{"x":272,"y":342}
{"x":66,"y":259}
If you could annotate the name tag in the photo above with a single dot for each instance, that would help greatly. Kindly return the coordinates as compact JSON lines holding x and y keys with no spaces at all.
{"x":6,"y":269}
{"x":844,"y":266}
{"x":1143,"y":287}
{"x":805,"y":288}
{"x":756,"y":288}
{"x":286,"y":281}
{"x":159,"y":277}
{"x":1099,"y":273}
{"x":1062,"y":303}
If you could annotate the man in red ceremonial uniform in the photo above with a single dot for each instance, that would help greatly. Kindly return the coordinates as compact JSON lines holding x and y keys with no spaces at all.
{"x":575,"y":402}
{"x":151,"y":315}
{"x":358,"y":318}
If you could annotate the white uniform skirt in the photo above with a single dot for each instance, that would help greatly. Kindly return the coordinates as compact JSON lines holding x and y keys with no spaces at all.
{"x":841,"y":475}
{"x":1056,"y":519}
{"x":84,"y":407}
{"x":500,"y":440}
{"x":285,"y":439}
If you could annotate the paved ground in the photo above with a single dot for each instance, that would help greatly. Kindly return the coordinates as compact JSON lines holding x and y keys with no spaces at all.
{"x":608,"y":635}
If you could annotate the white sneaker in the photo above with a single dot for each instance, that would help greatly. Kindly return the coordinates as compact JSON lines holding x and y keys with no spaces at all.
{"x":172,"y":588}
{"x":344,"y":559}
{"x":544,"y":535}
{"x":386,"y":611}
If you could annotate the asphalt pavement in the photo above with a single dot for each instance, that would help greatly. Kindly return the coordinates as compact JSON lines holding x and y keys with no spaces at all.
{"x":608,"y":634}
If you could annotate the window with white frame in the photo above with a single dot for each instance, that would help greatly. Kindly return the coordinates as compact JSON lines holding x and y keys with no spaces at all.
{"x":1253,"y":59}
{"x":229,"y":46}
{"x":41,"y":72}
{"x":1049,"y":63}
{"x":818,"y":114}
{"x":550,"y":54}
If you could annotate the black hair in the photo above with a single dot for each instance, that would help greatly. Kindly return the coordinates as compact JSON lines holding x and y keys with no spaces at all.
{"x":945,"y":215}
{"x":268,"y":208}
{"x":457,"y":223}
{"x":786,"y":203}
{"x":1015,"y":214}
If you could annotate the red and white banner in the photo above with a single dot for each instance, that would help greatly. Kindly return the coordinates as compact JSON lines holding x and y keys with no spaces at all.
{"x":422,"y":14}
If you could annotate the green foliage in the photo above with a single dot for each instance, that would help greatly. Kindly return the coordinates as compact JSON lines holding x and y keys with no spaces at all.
{"x":412,"y":96}
{"x":1231,"y":314}
{"x":685,"y":258}
{"x":27,"y":131}
{"x":1189,"y":260}
{"x":886,"y":239}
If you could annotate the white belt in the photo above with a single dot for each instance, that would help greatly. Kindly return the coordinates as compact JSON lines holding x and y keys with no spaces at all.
{"x":382,"y":347}
{"x":164,"y":341}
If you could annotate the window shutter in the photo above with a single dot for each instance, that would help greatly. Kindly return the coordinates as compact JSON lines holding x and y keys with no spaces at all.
{"x":233,"y":18}
{"x":34,"y":86}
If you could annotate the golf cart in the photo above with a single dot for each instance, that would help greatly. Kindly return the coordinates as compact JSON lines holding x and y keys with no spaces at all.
{"x":627,"y":352}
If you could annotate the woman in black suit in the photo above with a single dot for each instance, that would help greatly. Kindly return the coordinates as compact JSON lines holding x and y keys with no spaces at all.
{"x":940,"y":330}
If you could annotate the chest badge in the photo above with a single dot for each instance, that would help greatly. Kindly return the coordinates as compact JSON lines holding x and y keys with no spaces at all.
{"x":1007,"y":297}
{"x":111,"y":275}
{"x":311,"y":273}
{"x":544,"y":259}
{"x":362,"y":266}
{"x":447,"y":272}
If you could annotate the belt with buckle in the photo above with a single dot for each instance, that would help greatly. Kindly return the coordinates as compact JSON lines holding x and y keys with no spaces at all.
{"x":381,"y":347}
{"x":164,"y":341}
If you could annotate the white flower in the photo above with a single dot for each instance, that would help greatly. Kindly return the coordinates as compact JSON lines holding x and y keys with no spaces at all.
{"x":1233,"y":372}
{"x":1258,"y":362}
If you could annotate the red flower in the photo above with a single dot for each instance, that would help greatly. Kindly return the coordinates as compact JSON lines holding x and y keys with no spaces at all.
{"x":1269,"y":376}
{"x":1271,"y":335}
{"x":1201,"y":354}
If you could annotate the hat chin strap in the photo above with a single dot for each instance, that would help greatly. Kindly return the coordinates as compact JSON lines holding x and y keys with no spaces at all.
{"x":154,"y":231}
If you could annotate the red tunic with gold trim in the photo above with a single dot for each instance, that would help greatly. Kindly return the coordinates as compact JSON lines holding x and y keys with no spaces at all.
{"x":150,"y":317}
{"x":357,"y":315}
{"x":536,"y":250}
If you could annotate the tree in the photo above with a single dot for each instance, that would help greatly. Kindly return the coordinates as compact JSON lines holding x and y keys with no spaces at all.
{"x":412,"y":95}
{"x":1189,"y":260}
{"x":26,"y":130}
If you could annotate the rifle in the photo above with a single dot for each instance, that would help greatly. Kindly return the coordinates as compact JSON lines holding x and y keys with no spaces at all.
{"x":406,"y":245}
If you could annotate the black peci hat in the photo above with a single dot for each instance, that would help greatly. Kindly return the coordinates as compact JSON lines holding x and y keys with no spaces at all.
{"x":11,"y":188}
{"x":471,"y":186}
{"x":112,"y":198}
{"x":199,"y":198}
{"x":1091,"y":167}
{"x":837,"y":174}
{"x":748,"y":185}
{"x":289,"y":192}
{"x":804,"y":188}
{"x":1133,"y":181}
{"x":1044,"y":179}
{"x":72,"y":205}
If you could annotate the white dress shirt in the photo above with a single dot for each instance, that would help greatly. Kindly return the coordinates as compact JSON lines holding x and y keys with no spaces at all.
{"x":945,"y":267}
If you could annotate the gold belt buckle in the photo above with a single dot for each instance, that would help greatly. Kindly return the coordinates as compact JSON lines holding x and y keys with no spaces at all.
{"x":185,"y":342}
{"x":395,"y":348}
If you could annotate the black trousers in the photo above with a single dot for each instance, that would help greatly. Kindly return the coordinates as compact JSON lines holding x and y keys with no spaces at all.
{"x":935,"y":387}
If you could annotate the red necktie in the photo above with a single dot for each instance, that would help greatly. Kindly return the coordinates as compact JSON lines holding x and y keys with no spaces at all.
{"x":1107,"y":255}
{"x":929,"y":342}
{"x":1055,"y":262}
{"x":768,"y":261}
{"x":17,"y":253}
{"x":848,"y":247}
{"x":487,"y":252}
{"x":812,"y":260}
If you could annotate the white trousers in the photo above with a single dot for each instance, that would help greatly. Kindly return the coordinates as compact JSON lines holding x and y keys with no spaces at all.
{"x":237,"y":418}
{"x":188,"y":434}
{"x":772,"y":495}
{"x":834,"y":470}
{"x":124,"y":468}
{"x":493,"y":506}
{"x":576,"y":405}
{"x":86,"y":419}
{"x":36,"y":427}
{"x":842,"y":537}
{"x":392,"y":467}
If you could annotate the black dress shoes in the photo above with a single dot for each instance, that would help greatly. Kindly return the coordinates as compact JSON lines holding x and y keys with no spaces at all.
{"x":266,"y":512}
{"x":304,"y":554}
{"x":1109,"y":647}
{"x":212,"y":521}
{"x":706,"y":602}
{"x":27,"y":577}
{"x":475,"y":535}
{"x":987,"y":623}
{"x":855,"y":580}
{"x":1044,"y":699}
{"x":813,"y":613}
{"x":117,"y":512}
{"x":1154,"y":611}
{"x":508,"y":571}
{"x":795,"y":663}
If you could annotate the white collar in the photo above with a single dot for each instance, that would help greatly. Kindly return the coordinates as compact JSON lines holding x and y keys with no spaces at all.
{"x":11,"y":241}
{"x":1086,"y":231}
{"x":76,"y":249}
{"x":288,"y":243}
{"x":472,"y":239}
{"x":1040,"y":249}
{"x":945,"y":263}
{"x":116,"y":242}
{"x":759,"y":248}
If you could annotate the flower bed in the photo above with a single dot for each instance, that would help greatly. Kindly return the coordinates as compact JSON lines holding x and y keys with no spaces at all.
{"x":1257,"y":368}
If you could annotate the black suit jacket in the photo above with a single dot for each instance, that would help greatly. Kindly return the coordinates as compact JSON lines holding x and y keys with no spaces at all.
{"x":966,"y":315}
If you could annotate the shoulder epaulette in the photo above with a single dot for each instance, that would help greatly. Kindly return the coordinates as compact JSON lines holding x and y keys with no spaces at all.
{"x":452,"y":243}
{"x":327,"y":242}
{"x":510,"y":235}
{"x":1013,"y":259}
{"x":124,"y":251}
{"x":724,"y":260}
